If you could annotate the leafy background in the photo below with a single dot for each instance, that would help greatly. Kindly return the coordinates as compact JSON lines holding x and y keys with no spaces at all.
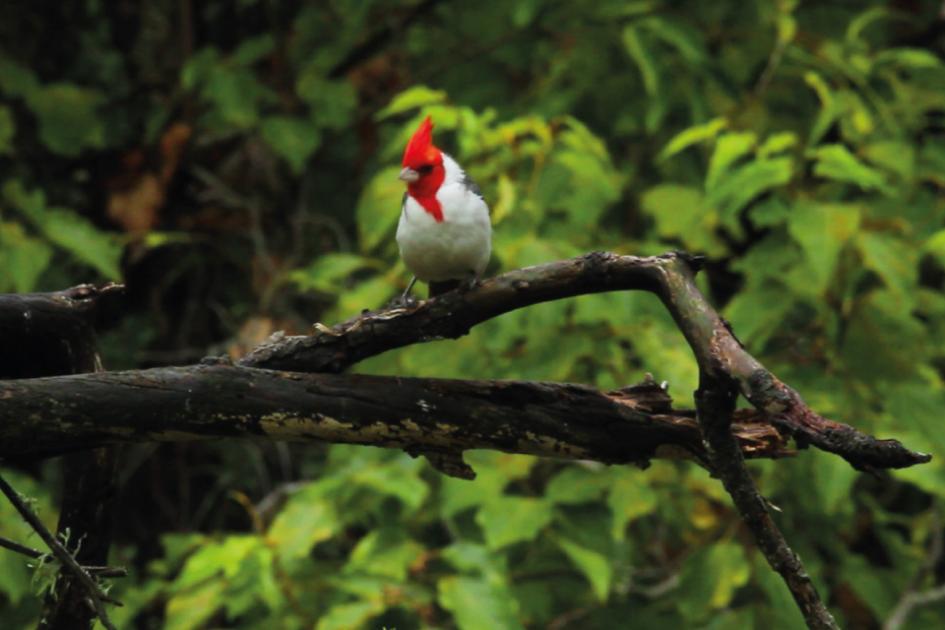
{"x":234,"y":163}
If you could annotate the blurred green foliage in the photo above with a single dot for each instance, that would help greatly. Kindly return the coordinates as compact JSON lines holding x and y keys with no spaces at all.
{"x":235,"y":162}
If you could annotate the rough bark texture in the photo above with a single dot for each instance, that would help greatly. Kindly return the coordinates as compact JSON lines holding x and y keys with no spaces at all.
{"x":441,"y":418}
{"x":46,"y":334}
{"x":669,"y":276}
{"x":42,"y":417}
{"x":715,"y":401}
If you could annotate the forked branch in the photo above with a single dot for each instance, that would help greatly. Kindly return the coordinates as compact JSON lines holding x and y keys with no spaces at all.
{"x":441,"y":418}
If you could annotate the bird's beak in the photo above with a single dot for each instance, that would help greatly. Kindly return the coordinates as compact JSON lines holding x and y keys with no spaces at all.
{"x":409,"y":175}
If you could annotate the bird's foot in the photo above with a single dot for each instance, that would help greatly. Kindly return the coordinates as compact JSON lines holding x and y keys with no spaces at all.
{"x":469,"y":284}
{"x":406,"y":300}
{"x":403,"y":301}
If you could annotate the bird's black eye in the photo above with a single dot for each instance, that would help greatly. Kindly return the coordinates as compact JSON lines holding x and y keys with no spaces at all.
{"x":425,"y":169}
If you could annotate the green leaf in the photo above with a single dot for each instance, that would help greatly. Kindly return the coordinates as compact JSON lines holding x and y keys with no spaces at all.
{"x":235,"y":93}
{"x":832,"y":481}
{"x":22,"y":259}
{"x":594,"y":565}
{"x":253,"y":49}
{"x":630,"y":497}
{"x":710,"y":578}
{"x":829,"y":109}
{"x":351,"y":615}
{"x":68,"y":230}
{"x":822,"y":230}
{"x":834,"y":161}
{"x":306,"y":520}
{"x":643,"y":58}
{"x":507,"y":520}
{"x":777,"y":143}
{"x":378,"y":209}
{"x":757,"y":312}
{"x":294,"y":139}
{"x":911,"y":58}
{"x":470,"y":557}
{"x":189,"y":610}
{"x":477,"y":604}
{"x":786,"y":25}
{"x":375,"y":290}
{"x":877,"y":588}
{"x":891,"y":259}
{"x":935,"y":246}
{"x":457,"y":495}
{"x":15,"y":580}
{"x":576,"y":484}
{"x":680,"y":214}
{"x":854,"y":32}
{"x":69,"y":121}
{"x":737,"y":189}
{"x":216,"y":558}
{"x":412,"y":98}
{"x":693,"y":135}
{"x":679,"y":35}
{"x":399,"y":481}
{"x":330,"y":272}
{"x":770,"y":213}
{"x":783,"y":614}
{"x":7,"y":130}
{"x":883,"y":341}
{"x":893,"y":156}
{"x":728,"y":149}
{"x":914,"y":413}
{"x":384,"y":552}
{"x":16,"y":80}
{"x":332,"y":103}
{"x":198,"y":68}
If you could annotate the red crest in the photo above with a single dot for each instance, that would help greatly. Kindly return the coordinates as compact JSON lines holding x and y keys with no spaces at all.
{"x":420,"y":149}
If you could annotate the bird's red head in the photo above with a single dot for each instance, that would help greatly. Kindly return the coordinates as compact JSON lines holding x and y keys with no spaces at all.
{"x":423,"y":169}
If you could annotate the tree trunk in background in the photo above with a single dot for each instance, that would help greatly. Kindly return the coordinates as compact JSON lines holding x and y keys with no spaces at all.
{"x":50,"y":335}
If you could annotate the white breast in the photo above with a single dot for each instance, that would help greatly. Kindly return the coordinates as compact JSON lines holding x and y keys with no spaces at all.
{"x":457,"y":247}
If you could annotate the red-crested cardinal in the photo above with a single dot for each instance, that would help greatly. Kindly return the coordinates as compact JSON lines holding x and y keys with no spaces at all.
{"x":444,"y":234}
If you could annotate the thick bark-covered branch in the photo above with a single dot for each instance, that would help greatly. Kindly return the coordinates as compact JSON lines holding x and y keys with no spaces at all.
{"x":52,"y":333}
{"x":442,"y":418}
{"x":669,"y":276}
{"x":725,"y":368}
{"x":715,"y":402}
{"x":47,"y":334}
{"x":48,"y":416}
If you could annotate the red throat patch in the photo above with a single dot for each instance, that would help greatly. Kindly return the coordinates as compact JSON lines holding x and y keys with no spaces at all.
{"x":422,"y":156}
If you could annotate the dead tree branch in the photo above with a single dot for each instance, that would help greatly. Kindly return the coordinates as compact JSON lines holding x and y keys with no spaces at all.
{"x":669,"y":276}
{"x":49,"y":416}
{"x":94,"y":591}
{"x":36,"y":554}
{"x":442,"y":418}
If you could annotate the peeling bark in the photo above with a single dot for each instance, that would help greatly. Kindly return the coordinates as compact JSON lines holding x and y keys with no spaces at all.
{"x":49,"y":416}
{"x":441,"y":418}
{"x":669,"y":276}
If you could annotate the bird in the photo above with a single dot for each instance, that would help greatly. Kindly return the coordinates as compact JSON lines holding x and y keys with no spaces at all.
{"x":445,"y":232}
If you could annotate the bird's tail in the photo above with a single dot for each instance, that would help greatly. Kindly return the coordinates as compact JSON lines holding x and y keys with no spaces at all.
{"x":439,"y":288}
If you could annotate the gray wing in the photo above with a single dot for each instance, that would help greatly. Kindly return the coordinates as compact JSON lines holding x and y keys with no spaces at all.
{"x":470,"y":185}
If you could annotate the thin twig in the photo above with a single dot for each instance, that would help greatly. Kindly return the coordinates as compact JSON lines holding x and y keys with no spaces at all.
{"x":715,"y":404}
{"x":95,"y":592}
{"x":912,"y":597}
{"x":36,"y":554}
{"x":6,"y":543}
{"x":910,"y":602}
